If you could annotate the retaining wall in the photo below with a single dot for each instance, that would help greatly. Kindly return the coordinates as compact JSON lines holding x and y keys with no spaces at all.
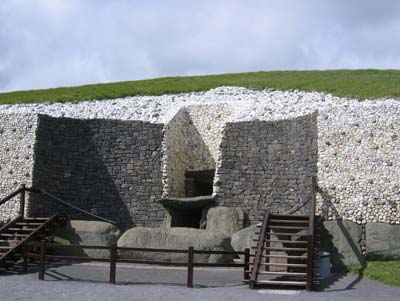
{"x":267,"y":165}
{"x":111,"y":168}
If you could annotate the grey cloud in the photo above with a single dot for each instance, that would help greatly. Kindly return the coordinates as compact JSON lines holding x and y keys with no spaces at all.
{"x":49,"y":43}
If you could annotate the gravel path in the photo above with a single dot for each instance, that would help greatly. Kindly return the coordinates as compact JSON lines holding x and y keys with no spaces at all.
{"x":89,"y":282}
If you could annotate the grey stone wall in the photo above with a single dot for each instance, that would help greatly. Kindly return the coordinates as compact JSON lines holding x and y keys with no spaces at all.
{"x":267,"y":165}
{"x":17,"y":138}
{"x":111,"y":168}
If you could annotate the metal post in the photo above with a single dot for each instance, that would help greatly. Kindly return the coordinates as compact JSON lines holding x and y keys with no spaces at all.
{"x":190,"y":267}
{"x":22,"y":201}
{"x":42,"y":259}
{"x":113,"y":262}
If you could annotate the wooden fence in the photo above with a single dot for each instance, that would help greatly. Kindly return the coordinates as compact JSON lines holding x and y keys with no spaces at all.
{"x":114,"y":250}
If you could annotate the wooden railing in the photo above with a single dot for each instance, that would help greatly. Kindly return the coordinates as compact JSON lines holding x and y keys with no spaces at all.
{"x":311,"y":232}
{"x":114,"y":250}
{"x":259,"y":251}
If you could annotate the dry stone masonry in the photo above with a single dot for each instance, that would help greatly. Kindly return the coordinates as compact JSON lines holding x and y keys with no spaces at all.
{"x":117,"y":157}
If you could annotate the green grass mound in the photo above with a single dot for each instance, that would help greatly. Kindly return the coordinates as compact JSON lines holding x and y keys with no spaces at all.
{"x":348,"y":83}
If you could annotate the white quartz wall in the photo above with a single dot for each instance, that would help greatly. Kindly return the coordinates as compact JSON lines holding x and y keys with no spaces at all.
{"x":17,"y":139}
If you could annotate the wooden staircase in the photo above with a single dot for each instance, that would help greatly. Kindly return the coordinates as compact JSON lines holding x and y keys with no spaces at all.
{"x":283,"y":254}
{"x":285,"y":249}
{"x":15,"y":234}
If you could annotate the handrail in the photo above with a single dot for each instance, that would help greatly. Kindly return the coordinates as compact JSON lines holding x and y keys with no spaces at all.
{"x":40,"y":191}
{"x":260,"y":248}
{"x":11,"y":195}
{"x":24,"y":189}
{"x":311,"y":233}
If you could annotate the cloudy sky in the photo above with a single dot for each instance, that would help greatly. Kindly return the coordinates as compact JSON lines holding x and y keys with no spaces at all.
{"x":50,"y":43}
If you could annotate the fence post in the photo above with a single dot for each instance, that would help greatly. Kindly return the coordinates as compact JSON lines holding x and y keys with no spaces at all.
{"x":25,"y":257}
{"x":113,"y":262}
{"x":310,"y":269}
{"x":42,"y":259}
{"x":246,"y":264}
{"x":22,"y":201}
{"x":190,"y":267}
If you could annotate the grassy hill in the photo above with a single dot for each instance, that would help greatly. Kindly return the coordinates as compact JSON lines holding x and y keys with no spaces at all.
{"x":350,"y":83}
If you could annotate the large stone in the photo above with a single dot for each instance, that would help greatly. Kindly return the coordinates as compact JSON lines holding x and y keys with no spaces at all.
{"x":383,"y":241}
{"x":342,"y":240}
{"x":198,"y":202}
{"x":175,"y":238}
{"x":225,"y":220}
{"x":86,"y":233}
{"x":244,"y":238}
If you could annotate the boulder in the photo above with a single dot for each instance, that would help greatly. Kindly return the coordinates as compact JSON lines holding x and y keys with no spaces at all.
{"x":225,"y":220}
{"x":244,"y":238}
{"x":175,"y":238}
{"x":342,"y":239}
{"x":383,"y":241}
{"x":86,"y":233}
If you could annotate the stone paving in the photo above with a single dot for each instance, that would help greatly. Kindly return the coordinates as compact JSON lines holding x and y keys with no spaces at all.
{"x":89,"y":282}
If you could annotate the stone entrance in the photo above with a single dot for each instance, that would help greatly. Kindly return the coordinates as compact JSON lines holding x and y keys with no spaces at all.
{"x":199,"y":183}
{"x":186,"y":212}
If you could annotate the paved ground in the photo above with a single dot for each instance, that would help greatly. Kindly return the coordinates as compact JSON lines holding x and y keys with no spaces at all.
{"x":89,"y":282}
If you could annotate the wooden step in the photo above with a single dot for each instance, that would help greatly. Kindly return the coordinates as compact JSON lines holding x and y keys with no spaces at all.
{"x":286,"y":256}
{"x":283,"y":273}
{"x":10,"y":241}
{"x":281,"y":256}
{"x":285,"y":249}
{"x":289,"y":265}
{"x":28,"y":224}
{"x":5,"y":247}
{"x":13,"y":235}
{"x":295,"y":242}
{"x":299,"y":216}
{"x":283,"y":234}
{"x":22,"y":229}
{"x":286,"y":234}
{"x":289,"y":221}
{"x":288,"y":283}
{"x":28,"y":219}
{"x":288,"y":227}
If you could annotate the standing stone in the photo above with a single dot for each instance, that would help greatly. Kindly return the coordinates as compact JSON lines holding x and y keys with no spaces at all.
{"x":175,"y":238}
{"x":342,"y":240}
{"x":383,"y":241}
{"x":86,"y":233}
{"x":244,"y":238}
{"x":225,"y":220}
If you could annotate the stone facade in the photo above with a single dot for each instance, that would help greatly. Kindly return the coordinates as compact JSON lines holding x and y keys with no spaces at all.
{"x":118,"y":169}
{"x":17,"y":138}
{"x":267,"y":164}
{"x":111,"y":168}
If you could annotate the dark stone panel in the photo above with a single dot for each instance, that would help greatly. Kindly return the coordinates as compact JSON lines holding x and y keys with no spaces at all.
{"x":267,"y":165}
{"x":108,"y":167}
